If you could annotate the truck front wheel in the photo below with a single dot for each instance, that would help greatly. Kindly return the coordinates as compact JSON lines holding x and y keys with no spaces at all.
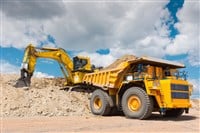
{"x":136,"y":103}
{"x":99,"y":103}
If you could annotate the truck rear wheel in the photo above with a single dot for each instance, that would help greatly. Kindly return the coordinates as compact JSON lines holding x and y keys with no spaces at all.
{"x":99,"y":103}
{"x":136,"y":103}
{"x":174,"y":113}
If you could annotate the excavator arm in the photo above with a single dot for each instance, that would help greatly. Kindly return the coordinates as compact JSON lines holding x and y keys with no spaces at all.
{"x":31,"y":55}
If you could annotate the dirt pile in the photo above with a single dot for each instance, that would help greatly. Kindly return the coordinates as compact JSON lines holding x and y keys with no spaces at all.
{"x":43,"y":98}
{"x":120,"y":60}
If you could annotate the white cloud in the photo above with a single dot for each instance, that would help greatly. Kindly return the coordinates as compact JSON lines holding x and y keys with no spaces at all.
{"x":20,"y":34}
{"x":194,"y":57}
{"x":187,"y":41}
{"x":196,"y":87}
{"x":99,"y":60}
{"x":35,"y":9}
{"x":42,"y":75}
{"x":90,"y":26}
{"x":6,"y":67}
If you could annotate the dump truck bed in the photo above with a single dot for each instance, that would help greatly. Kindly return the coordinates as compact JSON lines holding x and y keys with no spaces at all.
{"x":105,"y":79}
{"x":110,"y":76}
{"x":113,"y":75}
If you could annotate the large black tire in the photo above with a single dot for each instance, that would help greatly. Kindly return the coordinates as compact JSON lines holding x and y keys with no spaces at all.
{"x":174,"y":113}
{"x":99,"y":103}
{"x":136,"y":103}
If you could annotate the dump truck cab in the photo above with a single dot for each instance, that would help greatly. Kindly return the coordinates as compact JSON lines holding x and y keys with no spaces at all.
{"x":163,"y":81}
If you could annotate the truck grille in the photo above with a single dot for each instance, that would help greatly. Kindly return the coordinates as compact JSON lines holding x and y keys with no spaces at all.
{"x":179,"y":87}
{"x":180,"y":95}
{"x":179,"y":91}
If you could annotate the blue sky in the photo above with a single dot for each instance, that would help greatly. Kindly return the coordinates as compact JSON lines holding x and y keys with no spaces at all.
{"x":102,"y":30}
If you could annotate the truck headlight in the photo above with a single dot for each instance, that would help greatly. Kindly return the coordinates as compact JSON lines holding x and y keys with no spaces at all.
{"x":156,"y":83}
{"x":76,"y":79}
{"x":129,"y":78}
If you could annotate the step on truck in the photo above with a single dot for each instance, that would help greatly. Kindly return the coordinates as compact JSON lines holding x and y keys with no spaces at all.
{"x":140,"y":86}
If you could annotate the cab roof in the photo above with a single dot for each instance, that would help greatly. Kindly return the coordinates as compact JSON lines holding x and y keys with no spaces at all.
{"x":157,"y":62}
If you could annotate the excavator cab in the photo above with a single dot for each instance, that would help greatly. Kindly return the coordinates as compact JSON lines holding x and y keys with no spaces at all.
{"x":82,"y":64}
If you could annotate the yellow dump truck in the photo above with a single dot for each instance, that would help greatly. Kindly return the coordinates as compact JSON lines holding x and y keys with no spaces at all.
{"x":140,"y":86}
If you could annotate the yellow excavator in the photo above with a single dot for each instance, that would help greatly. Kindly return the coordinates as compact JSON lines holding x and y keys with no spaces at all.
{"x":73,"y":70}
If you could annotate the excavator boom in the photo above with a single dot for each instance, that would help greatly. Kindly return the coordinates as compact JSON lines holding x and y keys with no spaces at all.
{"x":71,"y":69}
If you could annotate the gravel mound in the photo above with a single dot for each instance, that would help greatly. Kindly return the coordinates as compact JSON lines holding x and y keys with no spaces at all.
{"x":119,"y":61}
{"x":43,"y":98}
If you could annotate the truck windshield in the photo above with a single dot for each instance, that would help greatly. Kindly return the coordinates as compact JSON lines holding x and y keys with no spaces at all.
{"x":180,"y":75}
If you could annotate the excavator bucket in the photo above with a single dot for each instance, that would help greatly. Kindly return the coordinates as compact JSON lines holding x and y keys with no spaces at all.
{"x":24,"y":80}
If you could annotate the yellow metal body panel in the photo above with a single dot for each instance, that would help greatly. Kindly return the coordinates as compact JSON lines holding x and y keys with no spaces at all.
{"x":102,"y":78}
{"x":77,"y":77}
{"x":111,"y":78}
{"x":162,"y":90}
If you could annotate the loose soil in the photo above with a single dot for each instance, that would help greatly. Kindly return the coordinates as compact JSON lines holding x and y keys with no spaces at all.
{"x":47,"y":107}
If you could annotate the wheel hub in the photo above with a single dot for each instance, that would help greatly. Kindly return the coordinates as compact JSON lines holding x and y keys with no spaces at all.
{"x":97,"y":103}
{"x":134,"y":103}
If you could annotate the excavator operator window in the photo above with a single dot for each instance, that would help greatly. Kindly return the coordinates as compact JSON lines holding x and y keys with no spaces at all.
{"x":79,"y":63}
